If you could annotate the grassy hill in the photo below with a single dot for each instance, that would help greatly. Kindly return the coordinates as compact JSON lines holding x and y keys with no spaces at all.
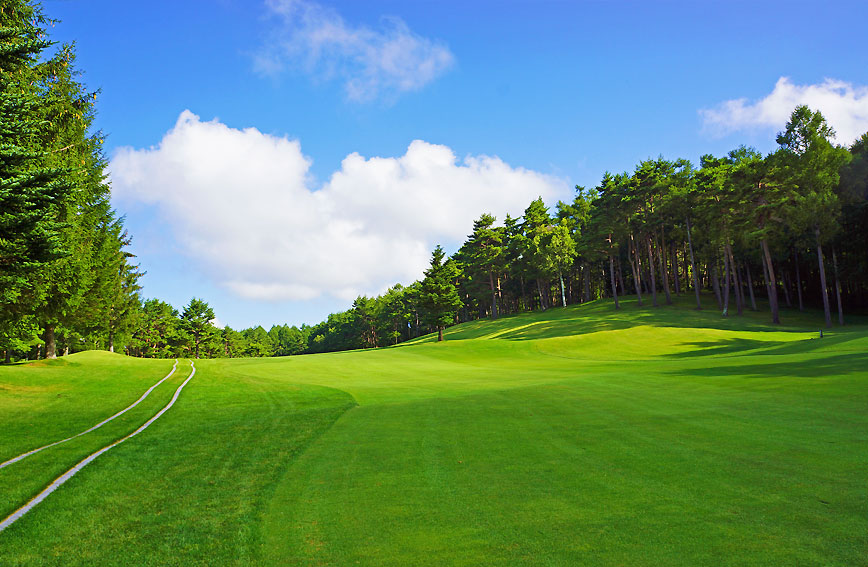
{"x":579,"y":436}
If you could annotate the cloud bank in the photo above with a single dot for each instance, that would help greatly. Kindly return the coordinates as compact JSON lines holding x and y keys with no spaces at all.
{"x":370,"y":63}
{"x":243,"y":205}
{"x":844,"y":105}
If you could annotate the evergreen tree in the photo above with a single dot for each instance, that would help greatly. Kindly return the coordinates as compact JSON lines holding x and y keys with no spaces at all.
{"x":484,"y":255}
{"x":73,"y":286}
{"x":157,"y":333}
{"x":438,"y":298}
{"x":30,"y":189}
{"x":233,"y":342}
{"x":557,"y":250}
{"x":536,"y":224}
{"x":811,"y":168}
{"x":196,"y":324}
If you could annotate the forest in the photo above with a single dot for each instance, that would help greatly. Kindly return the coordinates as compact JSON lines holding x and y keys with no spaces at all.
{"x":757,"y":232}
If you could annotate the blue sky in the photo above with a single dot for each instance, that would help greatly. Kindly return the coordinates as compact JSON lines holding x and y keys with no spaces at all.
{"x":230,"y":122}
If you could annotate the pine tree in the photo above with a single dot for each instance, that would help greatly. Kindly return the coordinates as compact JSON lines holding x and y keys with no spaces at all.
{"x":439,"y":298}
{"x":811,"y":166}
{"x":73,"y":286}
{"x":30,"y":190}
{"x":196,"y":323}
{"x":483,"y":254}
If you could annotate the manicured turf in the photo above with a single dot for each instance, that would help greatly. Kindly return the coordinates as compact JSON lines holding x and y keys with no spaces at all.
{"x":579,"y":436}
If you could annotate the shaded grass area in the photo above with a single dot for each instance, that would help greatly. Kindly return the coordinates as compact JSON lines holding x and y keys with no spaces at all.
{"x":578,"y":436}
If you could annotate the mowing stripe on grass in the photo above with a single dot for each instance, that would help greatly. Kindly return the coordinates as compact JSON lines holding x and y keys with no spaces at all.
{"x":9,"y":520}
{"x":97,"y":426}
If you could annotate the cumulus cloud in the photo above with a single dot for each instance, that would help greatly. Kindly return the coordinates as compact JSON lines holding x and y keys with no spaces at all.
{"x":844,"y":105}
{"x":370,"y":62}
{"x":244,"y":206}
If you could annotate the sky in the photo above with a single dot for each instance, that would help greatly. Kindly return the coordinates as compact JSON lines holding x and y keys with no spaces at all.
{"x":279,"y":158}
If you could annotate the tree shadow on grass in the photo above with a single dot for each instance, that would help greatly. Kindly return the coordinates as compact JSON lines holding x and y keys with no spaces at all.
{"x":833,"y":365}
{"x":723,"y":347}
{"x":600,"y":315}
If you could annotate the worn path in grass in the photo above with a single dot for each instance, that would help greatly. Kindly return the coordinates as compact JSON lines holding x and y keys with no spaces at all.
{"x":23,"y":456}
{"x":66,"y":476}
{"x":574,"y":437}
{"x":59,"y":398}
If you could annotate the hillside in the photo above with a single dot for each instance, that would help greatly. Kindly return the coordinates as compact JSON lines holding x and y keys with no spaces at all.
{"x":574,"y":436}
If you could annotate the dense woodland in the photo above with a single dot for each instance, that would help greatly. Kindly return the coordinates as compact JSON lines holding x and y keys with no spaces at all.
{"x":758,"y":232}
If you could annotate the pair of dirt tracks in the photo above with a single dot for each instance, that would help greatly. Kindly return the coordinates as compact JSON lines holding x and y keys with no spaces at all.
{"x":33,"y":502}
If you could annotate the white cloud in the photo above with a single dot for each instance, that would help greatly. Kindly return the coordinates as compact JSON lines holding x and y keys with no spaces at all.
{"x":243,"y":205}
{"x":371,"y":63}
{"x":844,"y":105}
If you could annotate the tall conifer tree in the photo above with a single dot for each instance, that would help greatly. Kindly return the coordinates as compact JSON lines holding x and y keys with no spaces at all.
{"x":439,"y":298}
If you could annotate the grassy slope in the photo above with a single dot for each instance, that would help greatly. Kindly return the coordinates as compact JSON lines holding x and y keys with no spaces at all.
{"x":578,"y":436}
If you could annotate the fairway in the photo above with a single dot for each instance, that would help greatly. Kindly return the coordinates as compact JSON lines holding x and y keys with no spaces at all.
{"x":576,"y":436}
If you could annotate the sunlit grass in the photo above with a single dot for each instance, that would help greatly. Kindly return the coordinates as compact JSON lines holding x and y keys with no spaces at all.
{"x":579,"y":436}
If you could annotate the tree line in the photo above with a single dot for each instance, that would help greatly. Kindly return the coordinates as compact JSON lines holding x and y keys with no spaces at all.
{"x":753,"y":231}
{"x":66,"y":276}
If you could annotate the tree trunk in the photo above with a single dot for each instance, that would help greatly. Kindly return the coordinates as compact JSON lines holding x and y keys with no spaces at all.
{"x":637,"y":270}
{"x":661,"y":256}
{"x":612,"y":277}
{"x":621,"y":275}
{"x":50,"y":342}
{"x":798,"y":280}
{"x":542,"y":299}
{"x":785,"y":280}
{"x":493,"y":296}
{"x":739,"y":286}
{"x":586,"y":284}
{"x":675,"y":270}
{"x":693,"y":267}
{"x":715,"y":284}
{"x":771,"y":282}
{"x":725,"y":281}
{"x":736,"y":281}
{"x":651,"y":268}
{"x":523,"y":294}
{"x":750,"y":286}
{"x":826,"y":311}
{"x":439,"y":333}
{"x":837,"y":287}
{"x":7,"y":356}
{"x":563,"y":294}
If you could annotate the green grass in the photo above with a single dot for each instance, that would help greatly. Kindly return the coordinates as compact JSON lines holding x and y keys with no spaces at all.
{"x":580,"y":436}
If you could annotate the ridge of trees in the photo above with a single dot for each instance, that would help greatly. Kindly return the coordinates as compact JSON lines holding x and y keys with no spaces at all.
{"x":743,"y":227}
